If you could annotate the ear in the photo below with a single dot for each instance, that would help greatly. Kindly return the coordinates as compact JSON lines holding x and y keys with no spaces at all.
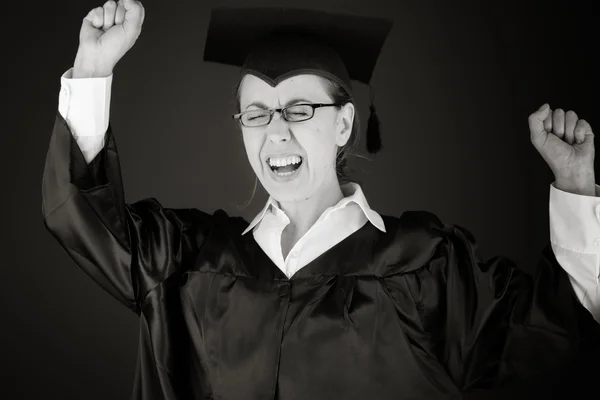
{"x":344,"y":124}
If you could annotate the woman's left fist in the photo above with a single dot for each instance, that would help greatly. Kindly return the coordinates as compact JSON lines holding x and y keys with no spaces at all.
{"x":565,"y":142}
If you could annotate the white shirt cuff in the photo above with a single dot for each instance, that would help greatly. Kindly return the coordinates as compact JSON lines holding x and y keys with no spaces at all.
{"x":85,"y":104}
{"x":575,"y":221}
{"x":575,"y":228}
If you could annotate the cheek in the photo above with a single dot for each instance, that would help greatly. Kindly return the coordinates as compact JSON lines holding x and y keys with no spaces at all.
{"x":252,"y":143}
{"x":319,"y":145}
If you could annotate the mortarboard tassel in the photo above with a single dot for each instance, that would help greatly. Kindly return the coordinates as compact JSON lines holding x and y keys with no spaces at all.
{"x":373,"y":130}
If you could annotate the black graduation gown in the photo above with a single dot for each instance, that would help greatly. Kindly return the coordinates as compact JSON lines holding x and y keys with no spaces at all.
{"x":408,"y":314}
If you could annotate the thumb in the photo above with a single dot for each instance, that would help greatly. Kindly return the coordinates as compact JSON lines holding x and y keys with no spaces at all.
{"x":536,"y":124}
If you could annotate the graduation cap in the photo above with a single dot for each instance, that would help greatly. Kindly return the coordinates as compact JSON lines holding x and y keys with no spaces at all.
{"x":275,"y":43}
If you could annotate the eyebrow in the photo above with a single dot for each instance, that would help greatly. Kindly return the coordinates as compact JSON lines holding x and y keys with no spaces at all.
{"x":295,"y":100}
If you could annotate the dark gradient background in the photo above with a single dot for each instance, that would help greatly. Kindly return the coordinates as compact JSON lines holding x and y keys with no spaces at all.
{"x":454,"y":86}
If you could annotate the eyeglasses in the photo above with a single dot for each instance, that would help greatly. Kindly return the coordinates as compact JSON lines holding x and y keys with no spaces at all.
{"x":293,"y":113}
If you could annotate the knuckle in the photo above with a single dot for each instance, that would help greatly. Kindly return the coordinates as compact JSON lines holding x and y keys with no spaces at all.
{"x":559,"y":111}
{"x":571,"y":114}
{"x":109,"y":4}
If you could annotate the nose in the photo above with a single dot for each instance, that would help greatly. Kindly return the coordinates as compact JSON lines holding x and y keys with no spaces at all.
{"x":278,"y":130}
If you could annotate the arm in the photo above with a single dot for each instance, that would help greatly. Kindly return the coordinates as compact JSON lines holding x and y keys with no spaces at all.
{"x":575,"y":239}
{"x":508,"y":330}
{"x":127,"y":249}
{"x":493,"y":326}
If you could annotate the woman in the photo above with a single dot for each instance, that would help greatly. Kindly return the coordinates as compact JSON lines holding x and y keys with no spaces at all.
{"x":319,"y":297}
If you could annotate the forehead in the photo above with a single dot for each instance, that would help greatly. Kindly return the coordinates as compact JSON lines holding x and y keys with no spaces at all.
{"x":306,"y":86}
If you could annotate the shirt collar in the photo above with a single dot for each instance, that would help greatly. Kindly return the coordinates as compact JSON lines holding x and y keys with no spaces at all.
{"x":352,"y":193}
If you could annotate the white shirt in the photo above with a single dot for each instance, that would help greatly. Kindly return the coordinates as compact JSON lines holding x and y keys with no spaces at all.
{"x":574,"y":219}
{"x":334,"y":225}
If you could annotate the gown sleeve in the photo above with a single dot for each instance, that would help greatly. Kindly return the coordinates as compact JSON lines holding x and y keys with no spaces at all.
{"x":494,"y":326}
{"x":128,"y":249}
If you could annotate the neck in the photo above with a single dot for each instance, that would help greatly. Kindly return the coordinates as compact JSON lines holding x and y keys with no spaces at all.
{"x":303,"y":214}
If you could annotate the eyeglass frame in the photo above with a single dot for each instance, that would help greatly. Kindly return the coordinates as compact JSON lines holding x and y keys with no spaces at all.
{"x":281,"y":110}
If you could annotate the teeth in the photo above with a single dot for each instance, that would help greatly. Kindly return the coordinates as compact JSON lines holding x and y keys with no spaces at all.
{"x":283,"y":161}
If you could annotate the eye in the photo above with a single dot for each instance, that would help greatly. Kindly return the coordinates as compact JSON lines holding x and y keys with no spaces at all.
{"x":252,"y":117}
{"x":299,"y":111}
{"x":255,"y":118}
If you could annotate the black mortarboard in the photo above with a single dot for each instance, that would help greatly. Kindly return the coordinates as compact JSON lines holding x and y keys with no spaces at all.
{"x":275,"y":43}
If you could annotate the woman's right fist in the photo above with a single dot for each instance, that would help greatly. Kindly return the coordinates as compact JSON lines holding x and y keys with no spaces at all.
{"x":107,"y":33}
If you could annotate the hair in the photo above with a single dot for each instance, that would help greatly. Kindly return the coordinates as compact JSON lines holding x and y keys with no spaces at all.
{"x":341,"y":97}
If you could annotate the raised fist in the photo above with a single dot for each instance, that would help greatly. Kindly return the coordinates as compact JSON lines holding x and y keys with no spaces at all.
{"x":107,"y":33}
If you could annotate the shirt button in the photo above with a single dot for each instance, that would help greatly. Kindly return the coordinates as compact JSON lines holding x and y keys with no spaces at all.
{"x":597,"y":242}
{"x":598,"y":212}
{"x":294,"y":254}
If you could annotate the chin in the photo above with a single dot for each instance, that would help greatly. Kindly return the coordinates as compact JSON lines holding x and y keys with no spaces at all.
{"x":287,"y":192}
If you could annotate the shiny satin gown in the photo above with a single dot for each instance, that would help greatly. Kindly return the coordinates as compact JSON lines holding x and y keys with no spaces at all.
{"x":408,"y":314}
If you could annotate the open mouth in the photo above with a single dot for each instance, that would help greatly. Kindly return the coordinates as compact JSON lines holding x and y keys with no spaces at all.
{"x":286,"y":169}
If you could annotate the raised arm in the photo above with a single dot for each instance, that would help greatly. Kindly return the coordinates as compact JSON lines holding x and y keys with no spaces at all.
{"x":128,"y":249}
{"x":495,"y":328}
